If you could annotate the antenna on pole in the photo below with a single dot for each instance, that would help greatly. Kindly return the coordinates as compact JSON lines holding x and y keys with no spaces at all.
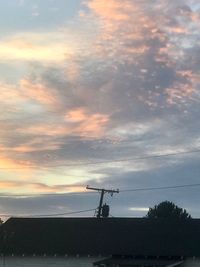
{"x":102,"y":191}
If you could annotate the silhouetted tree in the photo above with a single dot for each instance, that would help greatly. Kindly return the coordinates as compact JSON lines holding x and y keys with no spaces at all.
{"x":168,"y":210}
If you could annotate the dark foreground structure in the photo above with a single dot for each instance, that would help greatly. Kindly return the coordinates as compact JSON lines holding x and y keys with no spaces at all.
{"x":100,"y":242}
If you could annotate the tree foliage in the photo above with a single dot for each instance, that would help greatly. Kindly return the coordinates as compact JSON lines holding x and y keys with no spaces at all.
{"x":167,"y":210}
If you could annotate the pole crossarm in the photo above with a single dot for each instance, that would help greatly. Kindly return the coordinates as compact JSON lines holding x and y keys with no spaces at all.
{"x":105,"y":190}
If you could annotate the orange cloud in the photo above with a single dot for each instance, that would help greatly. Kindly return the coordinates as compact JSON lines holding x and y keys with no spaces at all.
{"x":39,"y":93}
{"x":10,"y":96}
{"x":93,"y":126}
{"x":46,"y":129}
{"x":58,"y":188}
{"x":180,"y":92}
{"x":125,"y":26}
{"x":178,"y":30}
{"x":9,"y":164}
{"x":5,"y":162}
{"x":44,"y":47}
{"x":76,"y":115}
{"x":130,"y":30}
{"x":31,"y":148}
{"x":112,"y":10}
{"x":35,"y":187}
{"x":87,"y":124}
{"x":76,"y":122}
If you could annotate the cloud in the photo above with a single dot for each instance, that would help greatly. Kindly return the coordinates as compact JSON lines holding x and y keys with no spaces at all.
{"x":149,"y":40}
{"x":181,"y":92}
{"x":88,"y":125}
{"x":40,"y":47}
{"x":7,"y":162}
{"x":37,"y":187}
{"x":142,"y":209}
{"x":40,"y":94}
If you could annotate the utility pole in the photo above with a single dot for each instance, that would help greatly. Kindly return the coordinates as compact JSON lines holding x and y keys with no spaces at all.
{"x":103,"y":191}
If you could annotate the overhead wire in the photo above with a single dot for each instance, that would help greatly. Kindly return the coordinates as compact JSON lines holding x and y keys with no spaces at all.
{"x":105,"y":161}
{"x":135,"y":158}
{"x":159,"y":188}
{"x":47,"y":215}
{"x":90,"y":193}
{"x":88,"y":210}
{"x":101,"y":162}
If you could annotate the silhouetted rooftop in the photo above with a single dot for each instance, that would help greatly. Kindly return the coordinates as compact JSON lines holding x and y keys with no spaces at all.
{"x":116,"y":236}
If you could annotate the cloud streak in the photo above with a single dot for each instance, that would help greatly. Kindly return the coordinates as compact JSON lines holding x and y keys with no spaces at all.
{"x":37,"y":188}
{"x":44,"y":47}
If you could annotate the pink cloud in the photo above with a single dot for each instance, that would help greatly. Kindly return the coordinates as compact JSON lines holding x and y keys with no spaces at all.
{"x":76,"y":115}
{"x":86,"y":124}
{"x":9,"y":163}
{"x":78,"y":121}
{"x":131,"y":30}
{"x":36,"y":187}
{"x":180,"y":92}
{"x":39,"y":93}
{"x":112,"y":10}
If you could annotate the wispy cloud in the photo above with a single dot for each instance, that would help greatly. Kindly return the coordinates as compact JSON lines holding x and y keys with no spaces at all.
{"x":39,"y":93}
{"x":44,"y":47}
{"x":150,"y":38}
{"x":36,"y":187}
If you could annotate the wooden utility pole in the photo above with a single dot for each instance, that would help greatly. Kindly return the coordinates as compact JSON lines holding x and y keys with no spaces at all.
{"x":103,"y":191}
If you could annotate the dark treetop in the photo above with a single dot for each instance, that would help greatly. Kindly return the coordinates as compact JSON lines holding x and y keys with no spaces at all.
{"x":168,"y":210}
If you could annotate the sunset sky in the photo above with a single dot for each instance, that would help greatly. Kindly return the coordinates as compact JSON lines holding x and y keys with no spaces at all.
{"x":92,"y":91}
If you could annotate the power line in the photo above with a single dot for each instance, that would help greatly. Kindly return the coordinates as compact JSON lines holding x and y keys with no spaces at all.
{"x":104,"y":161}
{"x":62,"y":214}
{"x":120,"y":191}
{"x":46,"y":215}
{"x":88,"y":210}
{"x":159,"y":188}
{"x":133,"y":159}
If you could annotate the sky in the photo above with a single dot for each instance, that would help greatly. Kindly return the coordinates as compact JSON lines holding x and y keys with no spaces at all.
{"x":100,"y":93}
